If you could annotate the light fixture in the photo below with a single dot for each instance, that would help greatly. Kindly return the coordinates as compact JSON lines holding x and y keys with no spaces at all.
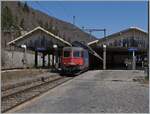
{"x":24,"y":46}
{"x":104,"y":46}
{"x":55,"y":46}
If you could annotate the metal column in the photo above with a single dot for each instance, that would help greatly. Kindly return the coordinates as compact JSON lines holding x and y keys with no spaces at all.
{"x":43,"y":59}
{"x":133,"y":61}
{"x":48,"y":60}
{"x":104,"y":58}
{"x":36,"y":59}
{"x":53,"y":60}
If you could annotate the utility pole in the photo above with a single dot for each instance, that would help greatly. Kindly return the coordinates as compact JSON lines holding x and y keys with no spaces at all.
{"x":104,"y":33}
{"x":74,"y":20}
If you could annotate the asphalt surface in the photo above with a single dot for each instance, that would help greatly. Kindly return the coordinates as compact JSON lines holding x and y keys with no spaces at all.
{"x":94,"y":92}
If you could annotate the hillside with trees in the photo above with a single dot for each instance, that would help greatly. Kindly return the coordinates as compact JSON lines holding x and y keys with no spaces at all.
{"x":17,"y":17}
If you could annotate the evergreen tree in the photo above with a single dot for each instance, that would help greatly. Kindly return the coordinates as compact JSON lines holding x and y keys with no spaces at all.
{"x":22,"y":23}
{"x":26,"y":7}
{"x":64,"y":36}
{"x":40,"y":23}
{"x":56,"y":31}
{"x":15,"y":23}
{"x":7,"y":18}
{"x":69,"y":40}
{"x":19,"y":4}
{"x":46,"y":26}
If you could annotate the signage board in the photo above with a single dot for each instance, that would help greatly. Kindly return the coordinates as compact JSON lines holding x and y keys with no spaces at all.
{"x":40,"y":49}
{"x":132,"y":49}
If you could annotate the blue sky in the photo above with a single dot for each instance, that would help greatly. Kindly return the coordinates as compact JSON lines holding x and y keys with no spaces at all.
{"x":112,"y":15}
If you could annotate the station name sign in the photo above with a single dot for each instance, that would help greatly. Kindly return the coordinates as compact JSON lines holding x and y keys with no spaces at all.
{"x":132,"y":49}
{"x":40,"y":49}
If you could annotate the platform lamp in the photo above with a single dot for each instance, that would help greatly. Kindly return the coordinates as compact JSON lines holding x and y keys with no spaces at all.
{"x":104,"y":57}
{"x":25,"y":57}
{"x":55,"y":53}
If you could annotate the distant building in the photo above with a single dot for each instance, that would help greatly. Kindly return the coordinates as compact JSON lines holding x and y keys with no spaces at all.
{"x":131,"y":37}
{"x":118,"y":45}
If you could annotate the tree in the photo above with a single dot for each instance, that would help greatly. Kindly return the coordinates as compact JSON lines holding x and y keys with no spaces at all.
{"x":46,"y":25}
{"x":26,"y":7}
{"x":40,"y":23}
{"x":15,"y":23}
{"x":22,"y":23}
{"x":64,"y":36}
{"x":69,"y":40}
{"x":7,"y":18}
{"x":19,"y":4}
{"x":56,"y":32}
{"x":18,"y":33}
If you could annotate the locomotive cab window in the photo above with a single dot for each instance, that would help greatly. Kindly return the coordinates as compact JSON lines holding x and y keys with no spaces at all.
{"x":66,"y":53}
{"x":76,"y":54}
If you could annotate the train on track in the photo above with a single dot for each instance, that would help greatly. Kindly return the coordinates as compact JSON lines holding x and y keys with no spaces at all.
{"x":74,"y":60}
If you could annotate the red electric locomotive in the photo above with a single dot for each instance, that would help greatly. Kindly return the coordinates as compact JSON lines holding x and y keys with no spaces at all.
{"x":74,"y":60}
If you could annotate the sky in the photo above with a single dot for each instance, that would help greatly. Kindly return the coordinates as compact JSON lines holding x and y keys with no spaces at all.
{"x":114,"y":16}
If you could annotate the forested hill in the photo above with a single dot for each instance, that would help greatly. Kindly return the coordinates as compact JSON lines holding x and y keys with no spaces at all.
{"x":18,"y":16}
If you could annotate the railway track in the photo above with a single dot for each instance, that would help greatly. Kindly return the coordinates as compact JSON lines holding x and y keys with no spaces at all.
{"x":13,"y":99}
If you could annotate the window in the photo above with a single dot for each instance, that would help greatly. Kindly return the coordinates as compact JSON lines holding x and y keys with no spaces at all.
{"x":66,"y":53}
{"x":76,"y":54}
{"x":132,"y":42}
{"x":124,"y":42}
{"x":115,"y":43}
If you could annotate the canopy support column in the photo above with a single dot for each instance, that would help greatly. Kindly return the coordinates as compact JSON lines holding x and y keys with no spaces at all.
{"x":36,"y":59}
{"x":43,"y":59}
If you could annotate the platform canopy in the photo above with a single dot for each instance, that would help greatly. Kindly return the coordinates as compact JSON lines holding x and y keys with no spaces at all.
{"x":122,"y":33}
{"x":39,"y":38}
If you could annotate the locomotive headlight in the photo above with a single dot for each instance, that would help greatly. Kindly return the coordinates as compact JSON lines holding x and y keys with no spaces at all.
{"x":71,"y":63}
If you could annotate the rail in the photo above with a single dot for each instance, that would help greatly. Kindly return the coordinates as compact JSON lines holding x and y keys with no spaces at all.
{"x":12,"y":100}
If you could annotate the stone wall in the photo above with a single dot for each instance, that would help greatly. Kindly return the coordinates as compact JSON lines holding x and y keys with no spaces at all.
{"x":13,"y":59}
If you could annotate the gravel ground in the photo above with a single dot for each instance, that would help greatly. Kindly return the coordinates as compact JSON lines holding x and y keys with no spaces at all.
{"x":94,"y":92}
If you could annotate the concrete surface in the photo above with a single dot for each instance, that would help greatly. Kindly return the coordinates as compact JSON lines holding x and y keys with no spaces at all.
{"x":94,"y":92}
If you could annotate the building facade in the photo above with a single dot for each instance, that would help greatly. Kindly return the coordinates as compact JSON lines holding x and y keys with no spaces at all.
{"x":118,"y":44}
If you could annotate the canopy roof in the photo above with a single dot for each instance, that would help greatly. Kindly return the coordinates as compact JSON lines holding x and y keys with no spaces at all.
{"x":118,"y":33}
{"x":49,"y":36}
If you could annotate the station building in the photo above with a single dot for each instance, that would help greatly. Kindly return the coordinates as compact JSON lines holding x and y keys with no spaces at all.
{"x":43,"y":43}
{"x":49,"y":46}
{"x":118,"y":45}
